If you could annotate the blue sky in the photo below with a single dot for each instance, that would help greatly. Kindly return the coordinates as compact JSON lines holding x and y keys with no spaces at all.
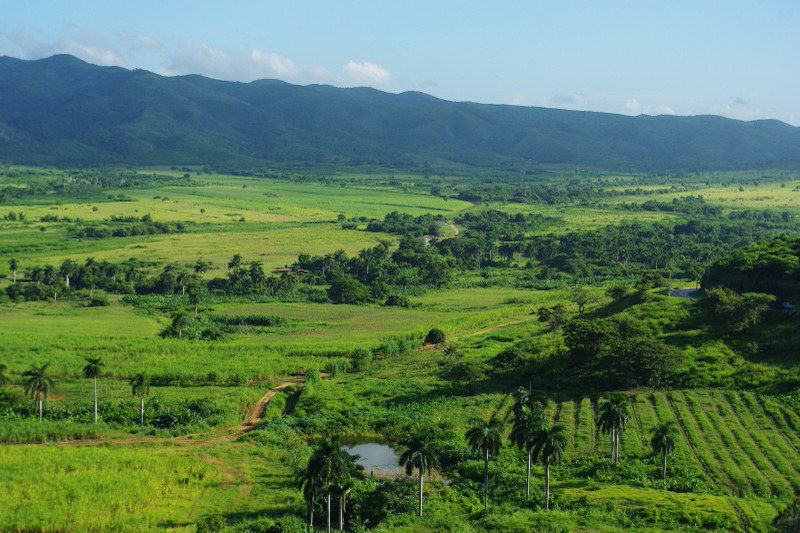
{"x":735,"y":58}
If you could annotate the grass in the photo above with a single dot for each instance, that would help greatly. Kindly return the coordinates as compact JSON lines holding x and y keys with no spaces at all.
{"x":743,"y":446}
{"x":138,"y":487}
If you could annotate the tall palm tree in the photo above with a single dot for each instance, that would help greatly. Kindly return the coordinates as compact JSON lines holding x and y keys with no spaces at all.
{"x":67,"y":270}
{"x":312,"y":491}
{"x":345,"y":482}
{"x":38,"y":385}
{"x":179,"y":322}
{"x":195,"y":298}
{"x":420,"y":453}
{"x":549,"y":445}
{"x":486,"y":438}
{"x":13,"y":265}
{"x":328,"y":466}
{"x":140,"y":387}
{"x":184,"y":279}
{"x":342,"y":487}
{"x":663,"y":442}
{"x":527,"y":423}
{"x":92,"y":370}
{"x":612,"y":417}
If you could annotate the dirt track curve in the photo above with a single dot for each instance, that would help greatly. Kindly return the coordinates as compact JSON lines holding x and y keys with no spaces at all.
{"x":255,"y":415}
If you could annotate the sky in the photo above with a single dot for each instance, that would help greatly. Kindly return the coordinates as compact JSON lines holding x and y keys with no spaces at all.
{"x":736,"y":58}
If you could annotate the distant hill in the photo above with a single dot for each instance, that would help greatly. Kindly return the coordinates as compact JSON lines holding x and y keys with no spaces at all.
{"x":61,"y":110}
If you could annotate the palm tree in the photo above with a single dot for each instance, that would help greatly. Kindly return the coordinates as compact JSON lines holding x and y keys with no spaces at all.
{"x":420,"y":453}
{"x":195,"y":297}
{"x":612,"y":417}
{"x":486,"y":438}
{"x":235,"y":261}
{"x":184,"y":279}
{"x":67,"y":270}
{"x":663,"y":442}
{"x":179,"y":323}
{"x":140,"y":387}
{"x":328,"y":466}
{"x":342,"y":487}
{"x":200,"y":266}
{"x":344,"y":483}
{"x":38,"y":385}
{"x":94,"y":366}
{"x":528,"y":421}
{"x":13,"y":264}
{"x":312,"y":491}
{"x":549,"y":445}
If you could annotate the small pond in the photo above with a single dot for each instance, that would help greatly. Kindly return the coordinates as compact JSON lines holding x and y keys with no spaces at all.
{"x":374,"y":456}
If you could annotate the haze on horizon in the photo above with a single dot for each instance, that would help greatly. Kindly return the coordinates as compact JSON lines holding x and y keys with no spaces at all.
{"x":739,"y":58}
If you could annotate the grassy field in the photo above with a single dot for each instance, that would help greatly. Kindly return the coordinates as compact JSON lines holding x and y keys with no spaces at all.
{"x":740,"y":448}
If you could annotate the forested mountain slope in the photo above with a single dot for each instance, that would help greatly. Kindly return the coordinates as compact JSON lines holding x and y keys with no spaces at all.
{"x":61,"y":110}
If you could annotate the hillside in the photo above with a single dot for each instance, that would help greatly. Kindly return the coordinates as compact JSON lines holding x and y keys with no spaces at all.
{"x":61,"y":110}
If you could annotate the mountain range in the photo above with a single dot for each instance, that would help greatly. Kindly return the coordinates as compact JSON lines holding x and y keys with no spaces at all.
{"x":63,"y":111}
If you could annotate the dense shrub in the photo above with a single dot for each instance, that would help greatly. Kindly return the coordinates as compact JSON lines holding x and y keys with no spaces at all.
{"x":435,"y":336}
{"x":361,"y":359}
{"x":736,"y":311}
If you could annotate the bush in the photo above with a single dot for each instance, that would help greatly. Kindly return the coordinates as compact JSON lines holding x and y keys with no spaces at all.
{"x":336,"y":367}
{"x":361,"y":359}
{"x":348,"y":291}
{"x":737,"y":311}
{"x":211,"y":523}
{"x":435,"y":336}
{"x":391,"y":347}
{"x":98,"y":301}
{"x":397,"y":300}
{"x":289,"y":524}
{"x":212,"y":334}
{"x":313,"y":377}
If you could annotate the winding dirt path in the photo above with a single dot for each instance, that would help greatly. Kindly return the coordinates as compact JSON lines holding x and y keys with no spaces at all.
{"x":255,"y":415}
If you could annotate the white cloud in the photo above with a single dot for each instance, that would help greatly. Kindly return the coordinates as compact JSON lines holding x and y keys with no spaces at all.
{"x":741,"y":108}
{"x":200,"y":58}
{"x":275,"y":63}
{"x":367,"y":73}
{"x":91,"y":47}
{"x":633,"y":106}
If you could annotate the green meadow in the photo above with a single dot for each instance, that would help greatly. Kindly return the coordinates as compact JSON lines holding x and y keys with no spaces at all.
{"x":736,"y":461}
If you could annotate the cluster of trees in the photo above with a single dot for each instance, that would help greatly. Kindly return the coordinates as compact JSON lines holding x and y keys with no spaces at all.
{"x":694,"y":205}
{"x":405,"y":224}
{"x":375,"y":273}
{"x":82,"y":180}
{"x":119,"y":226}
{"x":574,"y":191}
{"x":250,"y":278}
{"x":682,"y":249}
{"x":769,"y":267}
{"x":612,"y":353}
{"x":736,"y":312}
{"x":619,"y":352}
{"x":38,"y":384}
{"x":127,"y":277}
{"x":13,"y":216}
{"x":212,"y":327}
{"x":331,"y":472}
